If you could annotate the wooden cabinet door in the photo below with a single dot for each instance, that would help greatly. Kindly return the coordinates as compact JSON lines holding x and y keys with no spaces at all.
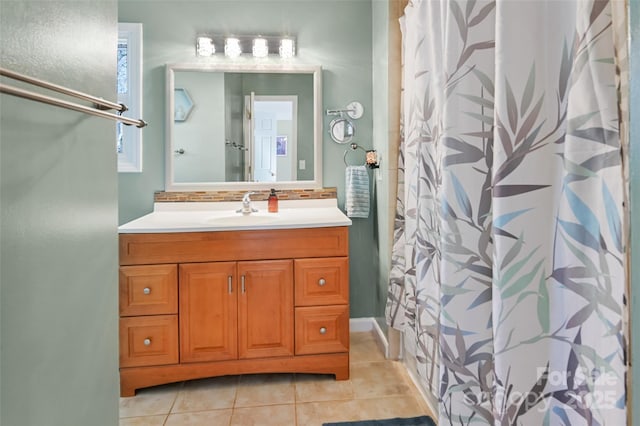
{"x":208,"y":311}
{"x":265,"y":309}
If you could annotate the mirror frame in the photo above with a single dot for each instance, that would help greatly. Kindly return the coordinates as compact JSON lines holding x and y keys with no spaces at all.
{"x":315,"y":70}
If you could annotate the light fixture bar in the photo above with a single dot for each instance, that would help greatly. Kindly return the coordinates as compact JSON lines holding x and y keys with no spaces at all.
{"x":283,"y":46}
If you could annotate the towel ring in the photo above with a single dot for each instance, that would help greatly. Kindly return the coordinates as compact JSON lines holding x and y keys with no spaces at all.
{"x":354,"y":146}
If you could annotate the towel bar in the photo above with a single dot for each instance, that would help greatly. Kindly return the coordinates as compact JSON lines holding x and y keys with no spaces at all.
{"x":371,"y":156}
{"x":353,"y":147}
{"x":99,"y":108}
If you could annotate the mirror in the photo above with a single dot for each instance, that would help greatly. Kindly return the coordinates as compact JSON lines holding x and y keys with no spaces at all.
{"x":341,"y":130}
{"x":243,"y":126}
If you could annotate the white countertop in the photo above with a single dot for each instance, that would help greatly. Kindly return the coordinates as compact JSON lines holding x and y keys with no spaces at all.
{"x":222,"y":216}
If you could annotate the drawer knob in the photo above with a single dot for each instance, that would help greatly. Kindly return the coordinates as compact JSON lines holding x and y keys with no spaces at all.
{"x":323,"y":330}
{"x":146,"y":290}
{"x":147,"y":342}
{"x":321,"y":282}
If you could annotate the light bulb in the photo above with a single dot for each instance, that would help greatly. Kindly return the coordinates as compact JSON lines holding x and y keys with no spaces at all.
{"x":205,"y":46}
{"x":232,"y":47}
{"x":287,"y":48}
{"x":260,"y":47}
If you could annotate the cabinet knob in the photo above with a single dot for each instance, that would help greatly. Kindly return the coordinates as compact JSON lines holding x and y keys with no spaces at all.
{"x":321,"y":282}
{"x":146,"y":290}
{"x":323,"y":330}
{"x":147,"y":342}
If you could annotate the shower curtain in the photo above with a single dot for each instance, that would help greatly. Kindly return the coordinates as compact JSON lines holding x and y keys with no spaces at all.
{"x":508,"y":268}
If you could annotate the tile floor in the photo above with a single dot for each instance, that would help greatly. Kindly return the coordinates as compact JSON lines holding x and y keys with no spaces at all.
{"x":377,"y":389}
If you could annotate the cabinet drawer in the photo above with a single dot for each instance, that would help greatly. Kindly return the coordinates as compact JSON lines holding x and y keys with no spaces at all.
{"x":182,"y":247}
{"x":151,"y":340}
{"x":322,"y":329}
{"x":322,"y":281}
{"x":148,"y":290}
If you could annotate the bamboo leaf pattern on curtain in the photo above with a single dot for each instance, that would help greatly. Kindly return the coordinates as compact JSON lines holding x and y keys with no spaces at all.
{"x":508,"y":267}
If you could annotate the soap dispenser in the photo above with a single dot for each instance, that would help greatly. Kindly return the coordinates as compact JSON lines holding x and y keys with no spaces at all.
{"x":273,"y":202}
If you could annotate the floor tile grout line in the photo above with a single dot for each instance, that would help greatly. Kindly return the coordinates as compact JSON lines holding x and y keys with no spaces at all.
{"x":175,"y":398}
{"x":295,"y":399}
{"x":235,"y":398}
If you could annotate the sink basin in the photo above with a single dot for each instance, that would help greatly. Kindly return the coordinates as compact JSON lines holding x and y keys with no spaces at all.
{"x":241,"y":220}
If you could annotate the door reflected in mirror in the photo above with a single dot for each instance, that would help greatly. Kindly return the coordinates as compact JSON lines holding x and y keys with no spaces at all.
{"x":249,"y":127}
{"x":271,"y":139}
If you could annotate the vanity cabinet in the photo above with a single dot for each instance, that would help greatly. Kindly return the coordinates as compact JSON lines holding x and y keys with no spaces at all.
{"x":203,"y":304}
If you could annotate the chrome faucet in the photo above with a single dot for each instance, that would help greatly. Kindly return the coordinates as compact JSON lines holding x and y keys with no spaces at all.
{"x":246,"y":205}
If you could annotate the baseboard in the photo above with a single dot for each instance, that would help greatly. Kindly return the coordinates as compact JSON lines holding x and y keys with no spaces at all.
{"x":428,"y":399}
{"x":361,"y":324}
{"x":409,"y":362}
{"x":370,"y":324}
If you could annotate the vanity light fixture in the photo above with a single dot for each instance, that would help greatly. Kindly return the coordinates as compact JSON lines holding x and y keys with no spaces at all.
{"x":258,"y":46}
{"x":232,"y":47}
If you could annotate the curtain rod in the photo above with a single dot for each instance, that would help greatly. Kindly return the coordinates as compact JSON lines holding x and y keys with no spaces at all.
{"x":14,"y":91}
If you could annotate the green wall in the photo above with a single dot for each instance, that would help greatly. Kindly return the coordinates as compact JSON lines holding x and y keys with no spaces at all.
{"x":333,"y":34}
{"x":233,"y":123}
{"x":58,"y":227}
{"x":202,"y":134}
{"x":385,"y":202}
{"x":634,"y":166}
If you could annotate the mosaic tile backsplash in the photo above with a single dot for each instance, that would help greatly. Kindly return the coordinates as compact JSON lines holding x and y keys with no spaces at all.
{"x":213,"y":196}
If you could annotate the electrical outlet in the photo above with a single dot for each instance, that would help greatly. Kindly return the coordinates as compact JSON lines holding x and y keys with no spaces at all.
{"x":302,"y":164}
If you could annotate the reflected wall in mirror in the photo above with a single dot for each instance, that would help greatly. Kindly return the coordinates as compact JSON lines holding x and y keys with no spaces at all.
{"x":251,"y":126}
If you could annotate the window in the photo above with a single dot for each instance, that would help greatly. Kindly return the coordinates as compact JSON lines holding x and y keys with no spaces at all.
{"x":129,"y":138}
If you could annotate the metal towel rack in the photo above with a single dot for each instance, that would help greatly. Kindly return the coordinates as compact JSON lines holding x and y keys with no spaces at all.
{"x":371,"y":156}
{"x":352,"y":147}
{"x":99,"y":108}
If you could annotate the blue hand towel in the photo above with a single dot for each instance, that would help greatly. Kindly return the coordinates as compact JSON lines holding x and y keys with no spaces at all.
{"x":357,"y":191}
